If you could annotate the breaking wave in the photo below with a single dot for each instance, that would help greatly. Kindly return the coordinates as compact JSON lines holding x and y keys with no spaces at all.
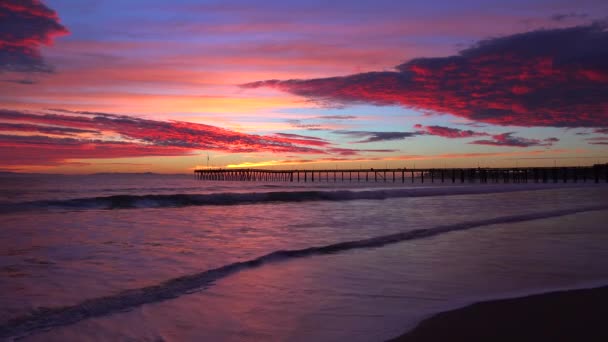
{"x":235,"y":198}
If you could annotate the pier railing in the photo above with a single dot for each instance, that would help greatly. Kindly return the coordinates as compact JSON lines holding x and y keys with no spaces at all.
{"x":595,"y":173}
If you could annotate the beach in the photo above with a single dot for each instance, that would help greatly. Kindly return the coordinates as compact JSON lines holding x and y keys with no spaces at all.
{"x":575,"y":315}
{"x":167,"y":257}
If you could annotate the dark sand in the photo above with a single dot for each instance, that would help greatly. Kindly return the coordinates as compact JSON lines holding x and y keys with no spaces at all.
{"x":577,"y":315}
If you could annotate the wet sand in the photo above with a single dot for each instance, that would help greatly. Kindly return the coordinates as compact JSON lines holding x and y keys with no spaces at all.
{"x":576,"y":315}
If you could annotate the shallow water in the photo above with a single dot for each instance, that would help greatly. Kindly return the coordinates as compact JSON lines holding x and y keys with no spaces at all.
{"x":58,"y":257}
{"x":371,"y":294}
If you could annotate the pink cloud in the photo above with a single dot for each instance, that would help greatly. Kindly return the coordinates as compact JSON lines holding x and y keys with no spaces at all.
{"x":18,"y":150}
{"x":62,"y":134}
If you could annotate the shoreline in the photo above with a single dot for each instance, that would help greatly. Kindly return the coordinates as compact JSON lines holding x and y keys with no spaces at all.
{"x":569,"y":315}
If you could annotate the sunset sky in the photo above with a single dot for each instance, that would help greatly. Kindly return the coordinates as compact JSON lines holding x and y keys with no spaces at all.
{"x":136,"y":86}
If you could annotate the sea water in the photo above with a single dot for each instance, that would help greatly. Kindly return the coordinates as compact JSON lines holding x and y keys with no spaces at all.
{"x":168,"y":257}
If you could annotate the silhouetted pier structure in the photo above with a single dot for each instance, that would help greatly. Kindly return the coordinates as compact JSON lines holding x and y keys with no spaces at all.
{"x":596,"y":173}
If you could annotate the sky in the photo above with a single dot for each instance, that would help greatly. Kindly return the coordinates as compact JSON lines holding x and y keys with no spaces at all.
{"x":169,"y":86}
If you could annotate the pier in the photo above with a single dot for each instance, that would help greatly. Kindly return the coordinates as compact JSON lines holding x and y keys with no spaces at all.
{"x":596,"y":173}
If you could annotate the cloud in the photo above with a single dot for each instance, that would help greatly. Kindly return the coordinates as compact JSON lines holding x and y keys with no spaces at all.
{"x":59,"y":135}
{"x":507,"y":139}
{"x":369,"y":136}
{"x":19,"y":127}
{"x":298,"y":136}
{"x":25,"y":25}
{"x":103,"y":135}
{"x":162,"y":133}
{"x":337,"y":117}
{"x":22,"y":81}
{"x":319,"y":123}
{"x":601,"y":130}
{"x":551,"y":140}
{"x":553,"y":77}
{"x":18,"y":150}
{"x":448,"y":132}
{"x":354,"y":152}
{"x":303,"y":139}
{"x":566,"y":16}
{"x":474,"y":124}
{"x":299,"y":124}
{"x":597,"y":141}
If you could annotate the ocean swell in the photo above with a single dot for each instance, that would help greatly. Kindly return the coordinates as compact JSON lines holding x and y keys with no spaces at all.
{"x":53,"y":317}
{"x":235,"y":198}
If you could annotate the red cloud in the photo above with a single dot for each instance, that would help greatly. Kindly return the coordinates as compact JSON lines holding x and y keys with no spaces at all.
{"x":553,"y":78}
{"x":448,"y":132}
{"x":25,"y":25}
{"x":162,"y":133}
{"x":42,"y":150}
{"x":117,"y":136}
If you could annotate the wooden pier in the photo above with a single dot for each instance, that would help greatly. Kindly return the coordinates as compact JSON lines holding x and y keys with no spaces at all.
{"x":596,"y":173}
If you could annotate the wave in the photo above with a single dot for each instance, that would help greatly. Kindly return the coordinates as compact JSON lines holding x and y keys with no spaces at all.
{"x":235,"y":198}
{"x":129,"y":299}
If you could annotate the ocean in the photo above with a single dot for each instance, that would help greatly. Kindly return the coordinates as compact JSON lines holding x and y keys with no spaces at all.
{"x":150,"y":257}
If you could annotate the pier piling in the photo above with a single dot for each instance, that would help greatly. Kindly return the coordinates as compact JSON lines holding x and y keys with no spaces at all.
{"x":597,"y":173}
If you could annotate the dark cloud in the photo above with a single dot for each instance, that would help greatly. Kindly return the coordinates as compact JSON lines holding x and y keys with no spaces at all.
{"x":19,"y":127}
{"x":298,"y":136}
{"x":369,"y":136}
{"x":556,"y":78}
{"x":24,"y":81}
{"x":354,"y":152}
{"x":597,"y":141}
{"x":448,"y":132}
{"x":303,"y":139}
{"x":566,"y":16}
{"x":474,"y":124}
{"x":551,"y":140}
{"x":507,"y":139}
{"x":601,"y":130}
{"x":25,"y":25}
{"x":82,"y":112}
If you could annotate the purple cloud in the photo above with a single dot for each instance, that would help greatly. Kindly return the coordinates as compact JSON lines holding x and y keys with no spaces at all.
{"x":369,"y":136}
{"x":507,"y":139}
{"x":25,"y":25}
{"x":447,"y":132}
{"x":554,"y":77}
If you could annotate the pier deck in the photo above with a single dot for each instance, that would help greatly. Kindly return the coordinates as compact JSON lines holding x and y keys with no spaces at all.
{"x":595,"y":173}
